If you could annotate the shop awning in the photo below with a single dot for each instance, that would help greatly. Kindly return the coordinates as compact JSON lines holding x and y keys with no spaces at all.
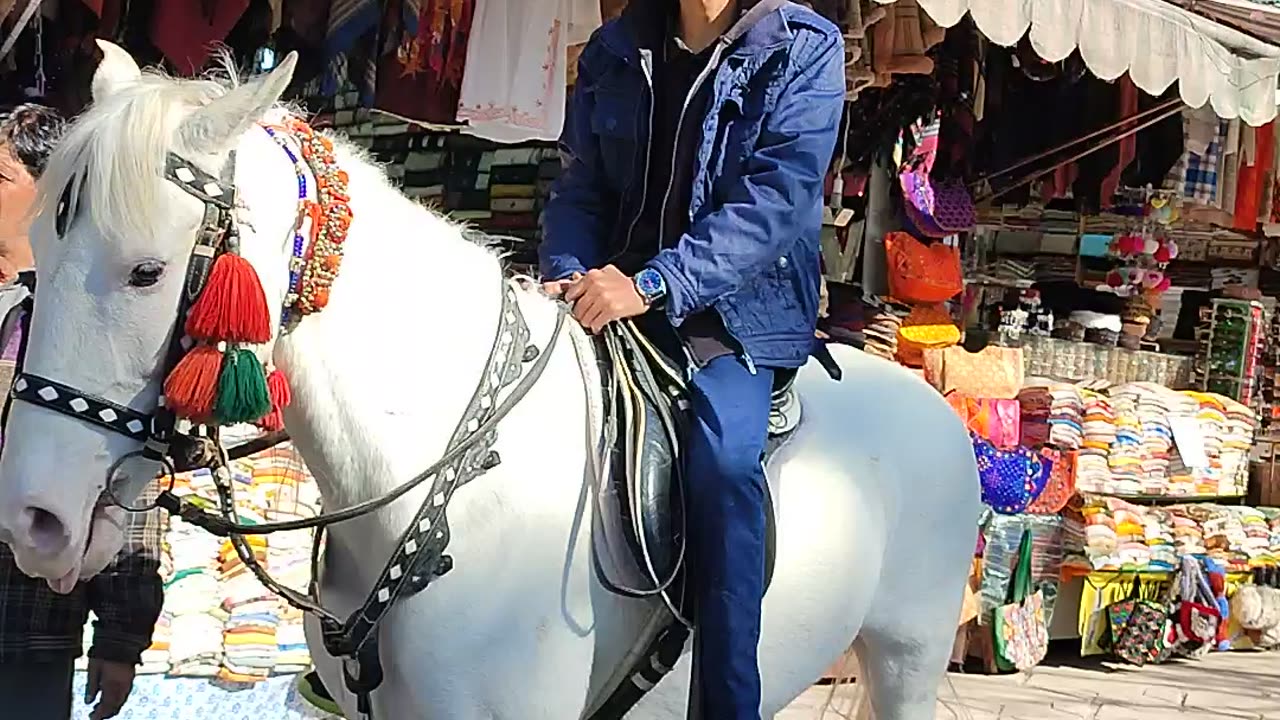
{"x":1156,"y":42}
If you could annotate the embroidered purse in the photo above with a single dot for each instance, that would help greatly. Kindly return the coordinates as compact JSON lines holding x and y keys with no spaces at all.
{"x":1061,"y":485}
{"x":1010,"y":479}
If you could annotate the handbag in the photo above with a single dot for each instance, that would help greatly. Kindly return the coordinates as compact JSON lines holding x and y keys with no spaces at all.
{"x":1020,"y":631}
{"x":1060,"y":486}
{"x":920,"y":273}
{"x":927,"y":327}
{"x":1138,"y":628}
{"x":1010,"y":479}
{"x":935,"y":209}
{"x":995,"y":372}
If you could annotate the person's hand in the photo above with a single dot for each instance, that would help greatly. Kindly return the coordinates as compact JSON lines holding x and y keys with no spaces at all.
{"x":603,"y":296}
{"x":110,"y":684}
{"x":556,"y":288}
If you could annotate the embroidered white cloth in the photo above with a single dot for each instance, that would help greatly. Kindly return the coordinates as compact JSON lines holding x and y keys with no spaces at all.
{"x":1156,"y":42}
{"x":513,"y":89}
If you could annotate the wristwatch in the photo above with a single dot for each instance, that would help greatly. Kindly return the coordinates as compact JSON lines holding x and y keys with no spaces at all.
{"x":651,"y":286}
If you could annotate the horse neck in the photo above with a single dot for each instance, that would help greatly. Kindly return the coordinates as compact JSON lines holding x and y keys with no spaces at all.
{"x":380,"y":376}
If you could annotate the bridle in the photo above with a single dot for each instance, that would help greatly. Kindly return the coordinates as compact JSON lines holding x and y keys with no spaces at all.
{"x":419,"y":557}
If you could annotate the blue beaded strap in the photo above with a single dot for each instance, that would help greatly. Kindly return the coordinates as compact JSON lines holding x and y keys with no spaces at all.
{"x":298,"y":261}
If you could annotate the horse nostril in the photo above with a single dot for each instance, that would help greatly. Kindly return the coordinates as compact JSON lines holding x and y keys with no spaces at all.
{"x":45,"y":532}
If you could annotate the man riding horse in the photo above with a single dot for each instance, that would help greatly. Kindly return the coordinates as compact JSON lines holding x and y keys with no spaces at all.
{"x":694,"y":153}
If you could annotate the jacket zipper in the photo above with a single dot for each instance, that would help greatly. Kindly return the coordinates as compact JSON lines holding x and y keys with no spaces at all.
{"x":711,"y":65}
{"x":646,"y":64}
{"x":675,"y":150}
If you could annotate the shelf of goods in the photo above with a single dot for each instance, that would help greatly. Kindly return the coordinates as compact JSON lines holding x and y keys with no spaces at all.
{"x":1236,"y":336}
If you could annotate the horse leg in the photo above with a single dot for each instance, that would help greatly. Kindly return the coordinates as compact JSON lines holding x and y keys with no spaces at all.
{"x":907,"y":640}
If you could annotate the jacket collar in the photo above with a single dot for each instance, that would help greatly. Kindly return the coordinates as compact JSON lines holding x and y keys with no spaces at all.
{"x":763,"y":28}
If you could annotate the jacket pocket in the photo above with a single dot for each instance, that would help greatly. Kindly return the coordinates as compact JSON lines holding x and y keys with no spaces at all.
{"x":615,"y":121}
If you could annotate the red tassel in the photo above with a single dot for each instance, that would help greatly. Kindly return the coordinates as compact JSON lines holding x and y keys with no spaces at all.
{"x":278,"y":389}
{"x":233,"y":306}
{"x":190,"y":390}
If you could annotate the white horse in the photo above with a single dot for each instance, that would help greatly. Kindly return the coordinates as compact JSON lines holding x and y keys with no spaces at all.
{"x":876,"y":494}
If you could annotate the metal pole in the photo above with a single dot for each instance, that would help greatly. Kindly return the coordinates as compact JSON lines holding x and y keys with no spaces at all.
{"x":27,"y":13}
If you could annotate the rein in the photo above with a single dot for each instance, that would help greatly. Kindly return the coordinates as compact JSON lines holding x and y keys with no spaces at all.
{"x":419,"y":557}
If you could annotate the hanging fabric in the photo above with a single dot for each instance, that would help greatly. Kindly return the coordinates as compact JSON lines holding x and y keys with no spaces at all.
{"x":186,"y":31}
{"x":1252,"y":178}
{"x":421,"y":64}
{"x":514,"y":84}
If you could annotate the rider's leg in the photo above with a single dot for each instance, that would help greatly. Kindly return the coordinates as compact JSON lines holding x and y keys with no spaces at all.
{"x":727,"y":528}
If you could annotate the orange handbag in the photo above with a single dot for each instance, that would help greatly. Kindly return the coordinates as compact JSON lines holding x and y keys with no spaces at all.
{"x":1061,"y":486}
{"x":920,"y":273}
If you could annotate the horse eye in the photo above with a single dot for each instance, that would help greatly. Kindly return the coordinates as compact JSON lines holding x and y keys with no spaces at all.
{"x":146,"y":274}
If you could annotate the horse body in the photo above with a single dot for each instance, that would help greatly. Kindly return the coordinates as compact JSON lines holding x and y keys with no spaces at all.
{"x":876,"y":493}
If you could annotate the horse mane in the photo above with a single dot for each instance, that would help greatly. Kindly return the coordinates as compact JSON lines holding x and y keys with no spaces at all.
{"x":121,"y":141}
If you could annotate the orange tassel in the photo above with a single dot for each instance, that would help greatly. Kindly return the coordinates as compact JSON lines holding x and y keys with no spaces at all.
{"x":278,"y":390}
{"x":233,"y":306}
{"x":191,"y":388}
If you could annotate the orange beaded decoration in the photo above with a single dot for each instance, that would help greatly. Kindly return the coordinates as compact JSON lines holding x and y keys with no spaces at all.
{"x":330,"y":220}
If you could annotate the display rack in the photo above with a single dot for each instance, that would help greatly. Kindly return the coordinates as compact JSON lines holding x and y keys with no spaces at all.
{"x":1237,"y":329}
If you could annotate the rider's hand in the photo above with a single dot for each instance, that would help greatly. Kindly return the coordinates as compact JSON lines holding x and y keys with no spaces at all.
{"x":603,"y":296}
{"x":110,"y":684}
{"x":556,"y":288}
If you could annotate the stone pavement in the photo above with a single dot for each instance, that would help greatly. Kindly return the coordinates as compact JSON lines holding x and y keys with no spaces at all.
{"x":1224,"y":686}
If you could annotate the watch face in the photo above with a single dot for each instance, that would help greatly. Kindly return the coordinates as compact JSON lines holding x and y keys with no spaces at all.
{"x":650,"y":283}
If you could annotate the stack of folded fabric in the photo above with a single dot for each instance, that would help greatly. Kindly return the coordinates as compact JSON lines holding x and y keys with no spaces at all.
{"x":1036,"y":403}
{"x":1158,"y":527}
{"x":1093,"y":472}
{"x":1188,"y":538}
{"x":1127,"y":451}
{"x":155,"y":659}
{"x":1074,"y":539}
{"x":249,"y":639}
{"x":1212,"y":418}
{"x":1224,"y":535}
{"x":1257,"y":531}
{"x":1154,"y":407}
{"x":1101,"y":541}
{"x":1237,"y":441}
{"x":1131,"y":537}
{"x":191,"y":608}
{"x":288,"y":492}
{"x":1273,"y":520}
{"x":1066,"y":417}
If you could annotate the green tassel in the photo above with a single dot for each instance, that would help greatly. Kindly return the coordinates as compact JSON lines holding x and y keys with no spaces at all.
{"x":242,"y":389}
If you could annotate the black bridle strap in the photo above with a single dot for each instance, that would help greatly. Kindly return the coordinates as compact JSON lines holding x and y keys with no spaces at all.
{"x":156,"y":430}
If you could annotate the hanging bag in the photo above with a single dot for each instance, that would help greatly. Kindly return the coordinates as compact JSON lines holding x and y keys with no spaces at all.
{"x":1196,"y":618}
{"x":1061,"y":485}
{"x":934,"y":209}
{"x":1138,"y":628}
{"x":1011,"y":479}
{"x":994,"y":372}
{"x":1021,"y":634}
{"x":920,"y":273}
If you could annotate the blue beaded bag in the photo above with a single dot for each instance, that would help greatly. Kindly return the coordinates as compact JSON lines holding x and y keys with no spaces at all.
{"x":1011,"y":479}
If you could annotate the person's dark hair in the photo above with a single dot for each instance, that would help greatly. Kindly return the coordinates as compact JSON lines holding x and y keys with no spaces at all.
{"x":30,"y":132}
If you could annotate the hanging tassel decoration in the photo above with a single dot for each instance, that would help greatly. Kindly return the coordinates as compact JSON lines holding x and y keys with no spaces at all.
{"x":278,"y":391}
{"x":192,"y":387}
{"x":232,"y":307}
{"x":242,"y":395}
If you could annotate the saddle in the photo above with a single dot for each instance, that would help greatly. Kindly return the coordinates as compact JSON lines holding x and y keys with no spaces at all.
{"x":647,"y":407}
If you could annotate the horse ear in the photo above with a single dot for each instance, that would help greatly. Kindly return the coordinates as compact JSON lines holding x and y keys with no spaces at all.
{"x":117,"y":70}
{"x":217,"y":125}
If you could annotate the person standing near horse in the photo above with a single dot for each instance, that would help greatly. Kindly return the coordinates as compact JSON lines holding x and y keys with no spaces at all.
{"x":41,"y":631}
{"x":694,"y":154}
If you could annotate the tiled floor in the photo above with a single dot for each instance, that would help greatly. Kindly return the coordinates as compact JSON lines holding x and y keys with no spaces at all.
{"x":1226,"y":686}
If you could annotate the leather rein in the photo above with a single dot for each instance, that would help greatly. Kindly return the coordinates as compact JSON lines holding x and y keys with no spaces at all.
{"x":419,"y":557}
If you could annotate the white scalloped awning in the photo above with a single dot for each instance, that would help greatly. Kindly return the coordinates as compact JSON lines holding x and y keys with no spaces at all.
{"x":1156,"y":42}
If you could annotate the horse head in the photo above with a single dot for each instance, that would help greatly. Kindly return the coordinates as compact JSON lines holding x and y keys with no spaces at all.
{"x":112,"y":241}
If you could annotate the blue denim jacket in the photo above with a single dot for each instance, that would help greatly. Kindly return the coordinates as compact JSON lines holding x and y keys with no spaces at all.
{"x":752,"y":249}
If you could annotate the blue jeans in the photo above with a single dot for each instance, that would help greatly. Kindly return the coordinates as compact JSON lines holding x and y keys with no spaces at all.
{"x":726,"y":496}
